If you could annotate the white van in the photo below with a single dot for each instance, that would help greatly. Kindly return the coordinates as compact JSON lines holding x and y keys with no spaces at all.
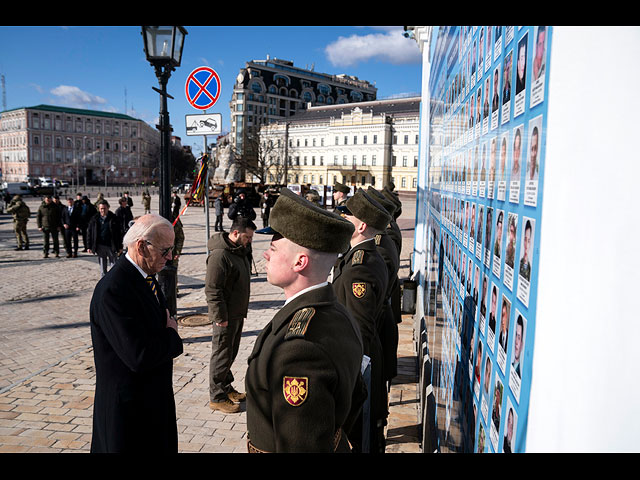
{"x":17,"y":188}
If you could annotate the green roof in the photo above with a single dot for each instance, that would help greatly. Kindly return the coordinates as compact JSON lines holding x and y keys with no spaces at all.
{"x":75,"y":111}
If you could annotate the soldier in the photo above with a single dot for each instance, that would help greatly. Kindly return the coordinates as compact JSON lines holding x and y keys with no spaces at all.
{"x":360,"y":281}
{"x":21,"y":214}
{"x":304,"y":377}
{"x":146,"y":201}
{"x":393,"y":230}
{"x":389,"y":330}
{"x":340,"y":193}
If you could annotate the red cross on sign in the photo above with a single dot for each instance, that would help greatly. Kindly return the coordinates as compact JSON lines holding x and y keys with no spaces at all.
{"x":202,"y":88}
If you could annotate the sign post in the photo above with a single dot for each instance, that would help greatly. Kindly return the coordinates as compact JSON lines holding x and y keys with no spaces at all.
{"x":202,"y":90}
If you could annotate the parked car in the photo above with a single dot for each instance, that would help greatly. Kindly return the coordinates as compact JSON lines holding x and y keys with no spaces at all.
{"x":17,"y":188}
{"x":46,"y":182}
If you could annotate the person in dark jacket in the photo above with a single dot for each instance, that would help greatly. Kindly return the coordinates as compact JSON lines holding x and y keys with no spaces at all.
{"x":104,"y":237}
{"x":219,"y":211}
{"x":87,"y":212}
{"x":266,"y":204}
{"x":227,"y":287}
{"x":71,"y":224}
{"x":123,"y":212}
{"x":49,"y":223}
{"x":134,"y":343}
{"x":241,"y":208}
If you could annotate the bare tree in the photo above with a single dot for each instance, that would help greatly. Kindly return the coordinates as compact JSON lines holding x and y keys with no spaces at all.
{"x":266,"y":157}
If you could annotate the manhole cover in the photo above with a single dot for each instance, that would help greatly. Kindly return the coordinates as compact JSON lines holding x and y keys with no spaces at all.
{"x":195,"y":320}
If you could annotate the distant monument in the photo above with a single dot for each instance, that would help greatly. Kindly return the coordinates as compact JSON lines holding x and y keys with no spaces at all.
{"x":225,"y":170}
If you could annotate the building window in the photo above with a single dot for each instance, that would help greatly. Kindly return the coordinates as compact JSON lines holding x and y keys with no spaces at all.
{"x":364,"y":160}
{"x":406,"y":139}
{"x":403,"y":183}
{"x":364,"y":139}
{"x":373,"y":160}
{"x":415,"y":161}
{"x":375,"y":139}
{"x":393,"y":161}
{"x":404,"y":161}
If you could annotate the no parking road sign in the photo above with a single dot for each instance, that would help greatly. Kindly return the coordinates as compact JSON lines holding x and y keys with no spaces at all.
{"x":203,"y":88}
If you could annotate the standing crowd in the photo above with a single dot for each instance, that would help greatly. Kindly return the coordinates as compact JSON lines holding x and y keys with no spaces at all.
{"x":320,"y":371}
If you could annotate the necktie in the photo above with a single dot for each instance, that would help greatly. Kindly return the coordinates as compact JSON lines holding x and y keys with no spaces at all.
{"x":152,"y":285}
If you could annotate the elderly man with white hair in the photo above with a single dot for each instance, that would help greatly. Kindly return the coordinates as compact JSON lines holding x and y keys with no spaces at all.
{"x":134,"y":343}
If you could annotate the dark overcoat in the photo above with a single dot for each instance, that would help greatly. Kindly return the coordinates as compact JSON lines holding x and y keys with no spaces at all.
{"x":134,"y":407}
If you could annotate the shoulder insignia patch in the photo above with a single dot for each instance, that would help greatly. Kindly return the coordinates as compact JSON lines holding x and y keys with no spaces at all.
{"x":299,"y":323}
{"x":378,"y":238}
{"x":358,"y":257}
{"x":295,"y":390}
{"x":359,"y":289}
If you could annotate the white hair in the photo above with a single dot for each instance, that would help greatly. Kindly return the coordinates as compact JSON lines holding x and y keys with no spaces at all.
{"x":145,"y":228}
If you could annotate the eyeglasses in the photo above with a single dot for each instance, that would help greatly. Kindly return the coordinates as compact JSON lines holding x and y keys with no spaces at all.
{"x":165,"y":251}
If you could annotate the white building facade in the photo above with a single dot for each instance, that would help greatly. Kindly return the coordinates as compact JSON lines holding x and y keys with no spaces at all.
{"x":359,"y":144}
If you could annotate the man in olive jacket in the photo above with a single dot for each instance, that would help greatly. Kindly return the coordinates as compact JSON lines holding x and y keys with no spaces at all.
{"x":227,"y":286}
{"x":49,"y":222}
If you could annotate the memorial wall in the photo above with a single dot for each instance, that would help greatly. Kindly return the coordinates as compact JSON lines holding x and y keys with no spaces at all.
{"x":482,"y":197}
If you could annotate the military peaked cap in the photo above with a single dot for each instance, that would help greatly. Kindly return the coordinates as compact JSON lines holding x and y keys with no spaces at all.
{"x":388,"y":205}
{"x":367,"y":209}
{"x":339,"y":187}
{"x":308,"y":225}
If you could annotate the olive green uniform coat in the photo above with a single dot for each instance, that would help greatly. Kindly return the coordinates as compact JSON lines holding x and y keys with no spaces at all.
{"x":360,"y":281}
{"x":304,"y":377}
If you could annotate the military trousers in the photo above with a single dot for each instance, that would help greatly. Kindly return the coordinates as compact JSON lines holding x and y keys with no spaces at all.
{"x":20,"y":229}
{"x":225,"y":342}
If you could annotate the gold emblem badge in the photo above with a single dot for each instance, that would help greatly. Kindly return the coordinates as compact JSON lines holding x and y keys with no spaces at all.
{"x":359,"y":289}
{"x":295,"y":390}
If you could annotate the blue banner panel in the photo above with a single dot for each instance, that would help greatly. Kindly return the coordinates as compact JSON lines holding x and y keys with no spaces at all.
{"x":488,"y":95}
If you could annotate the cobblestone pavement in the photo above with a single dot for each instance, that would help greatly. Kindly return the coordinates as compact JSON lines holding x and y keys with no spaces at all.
{"x":47,"y":376}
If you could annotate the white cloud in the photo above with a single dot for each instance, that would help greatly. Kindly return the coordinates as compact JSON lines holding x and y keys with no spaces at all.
{"x":73,"y":96}
{"x":390,"y":47}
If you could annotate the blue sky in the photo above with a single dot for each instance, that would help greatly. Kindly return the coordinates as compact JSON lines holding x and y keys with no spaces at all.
{"x":104,"y":68}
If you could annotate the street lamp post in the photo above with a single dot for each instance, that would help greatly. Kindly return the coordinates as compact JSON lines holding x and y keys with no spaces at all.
{"x":163,"y":48}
